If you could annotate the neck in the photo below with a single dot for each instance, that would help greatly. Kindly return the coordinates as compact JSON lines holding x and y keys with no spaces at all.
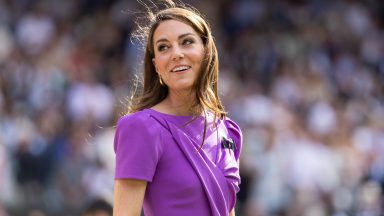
{"x":180,"y":103}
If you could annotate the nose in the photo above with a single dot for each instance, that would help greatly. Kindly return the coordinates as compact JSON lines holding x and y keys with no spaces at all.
{"x":177,"y":53}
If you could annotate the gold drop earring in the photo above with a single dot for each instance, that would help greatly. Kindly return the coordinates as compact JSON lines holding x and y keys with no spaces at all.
{"x":161,"y":80}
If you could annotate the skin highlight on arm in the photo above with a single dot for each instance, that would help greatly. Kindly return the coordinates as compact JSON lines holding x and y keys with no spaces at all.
{"x":232,"y":213}
{"x":128,"y":197}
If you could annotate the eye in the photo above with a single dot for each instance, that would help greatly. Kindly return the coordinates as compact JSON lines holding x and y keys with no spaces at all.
{"x":188,"y":41}
{"x":162,"y":47}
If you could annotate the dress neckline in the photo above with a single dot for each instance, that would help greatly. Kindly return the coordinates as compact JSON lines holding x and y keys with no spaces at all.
{"x":171,"y":115}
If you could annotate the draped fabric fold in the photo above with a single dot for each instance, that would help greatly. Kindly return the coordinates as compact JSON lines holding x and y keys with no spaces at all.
{"x":220,"y":192}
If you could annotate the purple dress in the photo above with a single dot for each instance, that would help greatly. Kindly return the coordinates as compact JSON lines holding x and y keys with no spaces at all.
{"x":182,"y":180}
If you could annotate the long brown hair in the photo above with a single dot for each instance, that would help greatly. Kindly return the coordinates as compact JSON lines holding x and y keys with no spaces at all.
{"x":206,"y":85}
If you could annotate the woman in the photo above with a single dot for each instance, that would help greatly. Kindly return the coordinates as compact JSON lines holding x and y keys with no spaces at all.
{"x":176,"y":152}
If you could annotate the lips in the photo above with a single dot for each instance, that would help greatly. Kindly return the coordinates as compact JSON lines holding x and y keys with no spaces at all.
{"x":180,"y":68}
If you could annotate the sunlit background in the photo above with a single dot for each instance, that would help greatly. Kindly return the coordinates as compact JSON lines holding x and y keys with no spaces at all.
{"x":304,"y":79}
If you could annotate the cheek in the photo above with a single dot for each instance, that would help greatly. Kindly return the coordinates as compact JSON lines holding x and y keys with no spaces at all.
{"x":202,"y":53}
{"x":160,"y":62}
{"x":199,"y":56}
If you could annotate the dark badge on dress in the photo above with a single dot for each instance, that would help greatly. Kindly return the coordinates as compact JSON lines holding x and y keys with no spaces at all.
{"x":228,"y":143}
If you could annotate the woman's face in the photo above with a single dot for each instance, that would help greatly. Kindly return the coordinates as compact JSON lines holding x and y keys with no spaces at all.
{"x":179,"y":52}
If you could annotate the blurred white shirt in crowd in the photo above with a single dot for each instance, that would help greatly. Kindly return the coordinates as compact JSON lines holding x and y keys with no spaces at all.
{"x":90,"y":100}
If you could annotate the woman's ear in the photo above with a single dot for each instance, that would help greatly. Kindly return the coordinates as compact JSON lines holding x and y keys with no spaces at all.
{"x":154,"y":64}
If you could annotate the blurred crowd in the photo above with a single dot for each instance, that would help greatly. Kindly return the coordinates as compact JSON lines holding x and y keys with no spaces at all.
{"x":303,"y":78}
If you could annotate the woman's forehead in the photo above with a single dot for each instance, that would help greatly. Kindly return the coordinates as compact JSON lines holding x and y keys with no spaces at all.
{"x":172,"y":29}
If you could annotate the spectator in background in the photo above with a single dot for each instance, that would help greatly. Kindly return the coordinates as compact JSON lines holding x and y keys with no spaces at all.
{"x":98,"y":207}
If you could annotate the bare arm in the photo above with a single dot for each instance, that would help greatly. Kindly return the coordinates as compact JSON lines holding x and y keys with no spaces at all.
{"x":128,"y":197}
{"x":232,"y":213}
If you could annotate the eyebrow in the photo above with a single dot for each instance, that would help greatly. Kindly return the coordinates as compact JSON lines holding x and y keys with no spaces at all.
{"x":181,"y":36}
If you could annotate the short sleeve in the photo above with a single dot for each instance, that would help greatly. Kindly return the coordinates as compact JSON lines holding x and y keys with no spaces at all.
{"x":231,"y":169}
{"x":235,"y":133}
{"x":137,"y":146}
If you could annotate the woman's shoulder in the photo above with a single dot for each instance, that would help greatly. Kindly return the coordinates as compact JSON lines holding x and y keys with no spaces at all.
{"x":235,"y":134}
{"x":136,"y":119}
{"x":232,"y":126}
